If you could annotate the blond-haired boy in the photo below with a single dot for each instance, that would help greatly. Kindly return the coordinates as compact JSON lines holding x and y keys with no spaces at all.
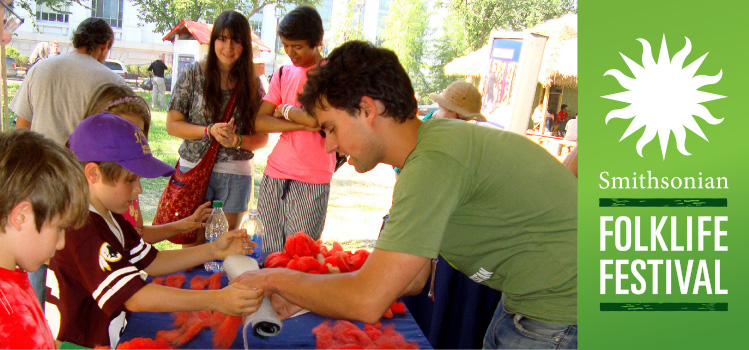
{"x":42,"y":192}
{"x":94,"y":281}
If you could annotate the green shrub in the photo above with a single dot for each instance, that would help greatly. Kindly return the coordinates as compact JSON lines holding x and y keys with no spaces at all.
{"x":143,"y":70}
{"x":11,"y":52}
{"x":132,"y":69}
{"x":21,"y":60}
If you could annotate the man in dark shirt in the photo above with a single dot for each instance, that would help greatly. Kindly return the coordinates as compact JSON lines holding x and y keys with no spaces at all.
{"x":157,"y":81}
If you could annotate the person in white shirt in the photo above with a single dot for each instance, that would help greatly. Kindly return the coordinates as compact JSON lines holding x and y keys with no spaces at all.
{"x":571,"y":130}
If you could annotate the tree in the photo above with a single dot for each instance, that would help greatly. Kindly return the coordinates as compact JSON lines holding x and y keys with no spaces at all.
{"x":404,"y":32}
{"x":476,"y":19}
{"x":440,"y":52}
{"x":166,"y":14}
{"x":58,"y":6}
{"x":347,"y":25}
{"x":468,"y":25}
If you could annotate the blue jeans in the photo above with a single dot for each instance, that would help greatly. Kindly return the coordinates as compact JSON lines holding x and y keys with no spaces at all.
{"x":38,"y":280}
{"x":233,"y":190}
{"x":515,"y":331}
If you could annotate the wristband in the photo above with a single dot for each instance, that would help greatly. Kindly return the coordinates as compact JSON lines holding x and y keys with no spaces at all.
{"x":285,"y":112}
{"x":239,"y":144}
{"x":205,"y":132}
{"x":208,"y":131}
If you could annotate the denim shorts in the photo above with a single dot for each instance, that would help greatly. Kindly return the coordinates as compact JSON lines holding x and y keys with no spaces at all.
{"x":515,"y":331}
{"x":233,"y":190}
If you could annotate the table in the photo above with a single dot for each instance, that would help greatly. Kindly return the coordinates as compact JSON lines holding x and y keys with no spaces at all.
{"x":296,"y":333}
{"x":461,"y":312}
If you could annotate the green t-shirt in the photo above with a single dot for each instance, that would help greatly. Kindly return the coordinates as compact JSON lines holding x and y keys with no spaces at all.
{"x":498,"y":207}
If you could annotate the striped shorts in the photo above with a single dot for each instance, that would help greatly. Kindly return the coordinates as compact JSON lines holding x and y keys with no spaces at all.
{"x":289,"y":206}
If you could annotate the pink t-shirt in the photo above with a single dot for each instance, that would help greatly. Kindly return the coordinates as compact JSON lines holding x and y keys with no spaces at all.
{"x":298,"y":155}
{"x":22,"y":324}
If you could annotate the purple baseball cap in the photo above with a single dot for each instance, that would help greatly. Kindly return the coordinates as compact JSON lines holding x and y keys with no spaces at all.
{"x":105,"y":137}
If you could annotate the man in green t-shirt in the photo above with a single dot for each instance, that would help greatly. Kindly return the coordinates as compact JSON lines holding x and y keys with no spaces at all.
{"x":498,"y":207}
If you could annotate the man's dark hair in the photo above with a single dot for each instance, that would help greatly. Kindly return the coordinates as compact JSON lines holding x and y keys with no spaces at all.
{"x":357,"y":69}
{"x":91,"y":33}
{"x":302,"y":23}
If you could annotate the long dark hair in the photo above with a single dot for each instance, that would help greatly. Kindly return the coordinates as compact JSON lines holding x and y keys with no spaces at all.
{"x":242,"y":72}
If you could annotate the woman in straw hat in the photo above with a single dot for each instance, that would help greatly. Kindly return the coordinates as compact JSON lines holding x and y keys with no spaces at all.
{"x":460,"y":100}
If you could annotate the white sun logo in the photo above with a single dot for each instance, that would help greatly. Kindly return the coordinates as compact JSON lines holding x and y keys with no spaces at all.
{"x":663,"y":97}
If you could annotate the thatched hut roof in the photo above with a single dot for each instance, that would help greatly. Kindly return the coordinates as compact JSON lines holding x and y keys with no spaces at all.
{"x":559,"y":29}
{"x":471,"y":65}
{"x":559,"y":64}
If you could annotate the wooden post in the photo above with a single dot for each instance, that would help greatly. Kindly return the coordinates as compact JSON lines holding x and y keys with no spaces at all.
{"x":546,"y":108}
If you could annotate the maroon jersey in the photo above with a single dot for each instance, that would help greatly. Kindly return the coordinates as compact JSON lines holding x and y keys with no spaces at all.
{"x":22,"y":324}
{"x":90,"y":280}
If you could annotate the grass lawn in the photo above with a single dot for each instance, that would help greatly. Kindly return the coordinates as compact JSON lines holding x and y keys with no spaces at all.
{"x":355,"y":209}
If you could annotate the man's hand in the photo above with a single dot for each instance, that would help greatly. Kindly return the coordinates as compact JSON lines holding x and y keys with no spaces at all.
{"x":233,"y":243}
{"x":283,"y":307}
{"x":256,"y":278}
{"x":239,"y":300}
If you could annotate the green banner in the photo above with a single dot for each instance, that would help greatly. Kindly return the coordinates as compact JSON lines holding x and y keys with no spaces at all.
{"x":662,"y":174}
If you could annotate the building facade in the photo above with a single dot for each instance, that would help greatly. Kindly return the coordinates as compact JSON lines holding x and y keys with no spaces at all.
{"x":135,"y":42}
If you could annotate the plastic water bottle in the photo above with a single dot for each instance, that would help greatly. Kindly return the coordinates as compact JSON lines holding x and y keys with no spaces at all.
{"x":256,"y":232}
{"x":216,"y":226}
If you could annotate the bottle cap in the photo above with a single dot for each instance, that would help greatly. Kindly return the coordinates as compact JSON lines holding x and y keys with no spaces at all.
{"x":253,"y":212}
{"x":218,"y":204}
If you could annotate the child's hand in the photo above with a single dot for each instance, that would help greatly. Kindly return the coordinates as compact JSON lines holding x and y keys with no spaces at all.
{"x":233,"y":243}
{"x":239,"y":300}
{"x":194,"y":221}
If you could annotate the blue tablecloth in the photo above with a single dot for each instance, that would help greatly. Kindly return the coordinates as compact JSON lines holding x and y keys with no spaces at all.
{"x":460,"y":313}
{"x":296,"y":333}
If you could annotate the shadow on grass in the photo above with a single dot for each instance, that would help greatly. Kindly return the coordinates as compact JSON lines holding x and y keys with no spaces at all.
{"x":354,"y":244}
{"x":351,"y":245}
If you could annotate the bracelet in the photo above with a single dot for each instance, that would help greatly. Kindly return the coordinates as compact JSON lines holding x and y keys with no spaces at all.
{"x":285,"y":112}
{"x":239,"y":144}
{"x":205,"y":132}
{"x":208,"y":131}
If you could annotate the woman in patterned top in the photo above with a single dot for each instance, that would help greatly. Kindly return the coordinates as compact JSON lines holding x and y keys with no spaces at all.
{"x":197,"y":105}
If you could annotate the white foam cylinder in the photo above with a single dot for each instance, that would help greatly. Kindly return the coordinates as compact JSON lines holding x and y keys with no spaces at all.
{"x":264,"y":321}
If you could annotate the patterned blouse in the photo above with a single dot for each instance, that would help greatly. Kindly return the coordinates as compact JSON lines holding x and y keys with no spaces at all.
{"x":187,"y":98}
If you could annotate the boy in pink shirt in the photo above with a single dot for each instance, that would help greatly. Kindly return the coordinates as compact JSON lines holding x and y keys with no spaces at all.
{"x":294,"y":191}
{"x":42,"y":192}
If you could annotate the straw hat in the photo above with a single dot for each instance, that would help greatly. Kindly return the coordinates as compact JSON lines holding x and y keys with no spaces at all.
{"x":462,"y":98}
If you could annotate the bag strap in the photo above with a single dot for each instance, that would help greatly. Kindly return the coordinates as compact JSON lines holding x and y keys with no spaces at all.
{"x":229,"y":110}
{"x":209,"y":158}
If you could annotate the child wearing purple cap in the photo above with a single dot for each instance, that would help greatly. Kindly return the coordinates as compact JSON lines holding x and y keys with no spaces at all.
{"x":94,"y":281}
{"x":122,"y":101}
